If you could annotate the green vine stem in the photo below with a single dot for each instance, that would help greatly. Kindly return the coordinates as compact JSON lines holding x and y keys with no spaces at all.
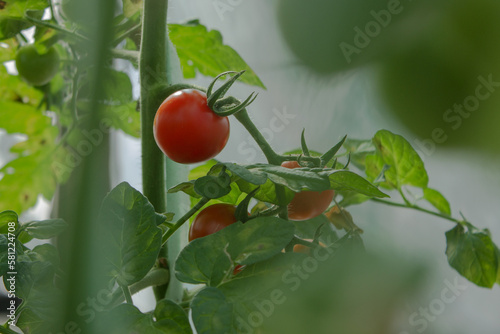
{"x":156,"y":277}
{"x":415,"y":207}
{"x":126,"y":293}
{"x":184,"y":218}
{"x":56,"y":27}
{"x":271,"y":156}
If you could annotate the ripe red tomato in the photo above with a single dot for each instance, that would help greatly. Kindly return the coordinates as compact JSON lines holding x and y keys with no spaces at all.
{"x":212,"y":219}
{"x":307,"y":204}
{"x":187,"y":130}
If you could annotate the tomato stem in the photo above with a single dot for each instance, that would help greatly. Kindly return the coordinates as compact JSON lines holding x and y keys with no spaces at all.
{"x":183,"y":219}
{"x":271,"y":156}
{"x":40,"y":23}
{"x":418,"y":208}
{"x":127,"y":294}
{"x":156,"y":277}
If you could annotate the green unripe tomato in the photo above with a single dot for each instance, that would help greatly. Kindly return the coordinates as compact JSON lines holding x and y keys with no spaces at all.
{"x":36,"y":68}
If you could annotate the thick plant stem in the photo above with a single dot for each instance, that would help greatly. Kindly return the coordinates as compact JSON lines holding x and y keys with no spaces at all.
{"x":157,"y":71}
{"x":153,"y":60}
{"x":85,"y":261}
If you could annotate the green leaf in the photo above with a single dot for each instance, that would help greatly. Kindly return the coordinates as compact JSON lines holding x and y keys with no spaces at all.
{"x":48,"y":253}
{"x":213,"y":186}
{"x":297,"y":179}
{"x":406,"y":167}
{"x":245,"y":174}
{"x":168,"y":317}
{"x":13,"y":89}
{"x":203,"y":51}
{"x":171,"y":318}
{"x":307,"y":229}
{"x":266,"y":192}
{"x":358,"y":150}
{"x":22,"y":118}
{"x":210,"y":259}
{"x":45,"y":229}
{"x":6,"y":219}
{"x":12,"y":13}
{"x":473,"y":255}
{"x":131,"y":7}
{"x":27,"y":177}
{"x":226,"y":308}
{"x":212,"y":313}
{"x":133,"y":240}
{"x":186,"y":187}
{"x":8,"y":50}
{"x":437,"y":200}
{"x":123,"y":117}
{"x":41,"y":300}
{"x":352,"y":198}
{"x":346,"y":180}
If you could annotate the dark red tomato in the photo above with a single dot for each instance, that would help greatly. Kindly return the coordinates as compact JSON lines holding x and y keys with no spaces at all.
{"x":187,"y":130}
{"x":212,"y":219}
{"x":307,"y":204}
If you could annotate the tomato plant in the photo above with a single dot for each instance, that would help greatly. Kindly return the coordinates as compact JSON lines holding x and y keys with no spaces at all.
{"x":271,"y":242}
{"x":35,"y":67}
{"x":212,"y":219}
{"x":187,"y":130}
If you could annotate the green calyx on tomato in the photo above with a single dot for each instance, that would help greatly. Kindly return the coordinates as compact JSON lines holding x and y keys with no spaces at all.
{"x":37,"y":68}
{"x":212,"y":219}
{"x":187,"y":130}
{"x":307,"y":204}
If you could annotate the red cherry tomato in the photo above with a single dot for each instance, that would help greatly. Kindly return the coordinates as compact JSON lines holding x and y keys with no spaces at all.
{"x":187,"y":130}
{"x":307,"y":204}
{"x":212,"y":219}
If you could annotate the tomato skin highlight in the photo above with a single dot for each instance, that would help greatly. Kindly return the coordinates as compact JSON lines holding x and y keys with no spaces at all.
{"x":307,"y":204}
{"x":187,"y":130}
{"x":212,"y":219}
